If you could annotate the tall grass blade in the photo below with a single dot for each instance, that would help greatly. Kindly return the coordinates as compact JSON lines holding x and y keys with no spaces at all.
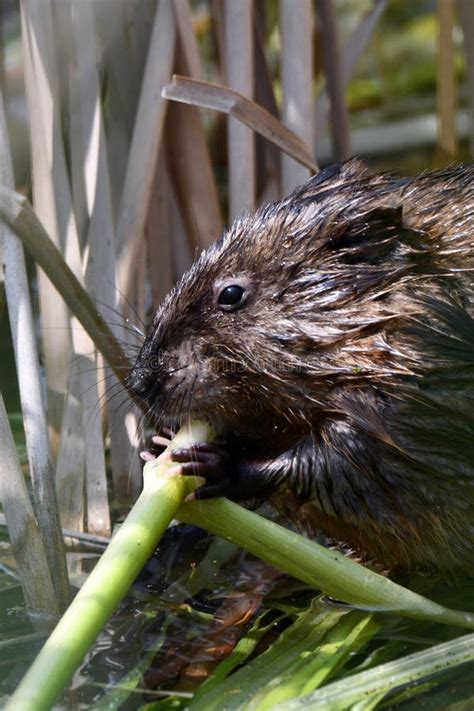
{"x":386,"y":677}
{"x":219,"y":98}
{"x":324,"y":569}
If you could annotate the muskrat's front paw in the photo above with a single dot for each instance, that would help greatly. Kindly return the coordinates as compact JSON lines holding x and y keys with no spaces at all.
{"x":157,"y":445}
{"x":210,"y":461}
{"x":226,"y":474}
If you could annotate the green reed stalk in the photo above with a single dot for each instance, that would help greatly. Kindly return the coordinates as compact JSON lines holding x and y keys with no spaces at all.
{"x":162,"y":500}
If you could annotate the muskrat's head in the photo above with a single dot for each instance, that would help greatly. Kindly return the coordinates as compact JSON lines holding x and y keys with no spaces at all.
{"x":282,"y":308}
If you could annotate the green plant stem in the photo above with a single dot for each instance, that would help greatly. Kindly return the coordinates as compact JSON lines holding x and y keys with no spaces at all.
{"x":385,"y":677}
{"x":325,"y":569}
{"x":162,"y":500}
{"x":107,"y":584}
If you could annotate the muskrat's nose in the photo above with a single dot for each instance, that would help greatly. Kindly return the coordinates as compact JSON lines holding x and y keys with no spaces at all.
{"x":140,"y":379}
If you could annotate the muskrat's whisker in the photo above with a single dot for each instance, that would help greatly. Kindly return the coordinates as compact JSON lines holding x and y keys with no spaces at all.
{"x":124,"y":319}
{"x":130,"y":305}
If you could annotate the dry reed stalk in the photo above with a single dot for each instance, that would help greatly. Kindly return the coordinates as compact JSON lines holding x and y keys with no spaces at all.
{"x":25,"y":535}
{"x":144,"y":150}
{"x":115,"y":53}
{"x":69,"y":533}
{"x":220,"y":98}
{"x":41,"y":93}
{"x":191,"y":165}
{"x":158,"y":233}
{"x":217,"y":10}
{"x":332,"y":61}
{"x":82,"y":344}
{"x":238,"y":28}
{"x":296,"y":28}
{"x":446,"y":82}
{"x":267,"y":156}
{"x":26,"y":540}
{"x":123,"y":31}
{"x":123,"y":419}
{"x":69,"y":77}
{"x":70,"y":493}
{"x":182,"y":253}
{"x":18,"y":213}
{"x":193,"y":177}
{"x":2,"y":271}
{"x":3,"y":43}
{"x":29,"y":381}
{"x":351,"y":51}
{"x":138,"y":17}
{"x":100,"y":270}
{"x":466,"y":19}
{"x":78,"y":191}
{"x":187,"y":39}
{"x":140,"y":285}
{"x":98,"y":513}
{"x":99,"y":275}
{"x":71,"y":462}
{"x":15,"y":210}
{"x":70,"y":465}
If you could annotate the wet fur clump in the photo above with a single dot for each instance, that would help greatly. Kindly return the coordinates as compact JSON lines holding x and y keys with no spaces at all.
{"x":344,"y":381}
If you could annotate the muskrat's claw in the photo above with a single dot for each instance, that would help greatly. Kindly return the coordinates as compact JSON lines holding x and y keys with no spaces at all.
{"x":170,"y":433}
{"x":162,"y":442}
{"x":201,"y":459}
{"x":158,"y":444}
{"x":225,"y":473}
{"x":209,"y":461}
{"x":146,"y":455}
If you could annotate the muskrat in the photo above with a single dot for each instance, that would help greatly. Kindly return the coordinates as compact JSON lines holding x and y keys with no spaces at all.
{"x":329,"y":340}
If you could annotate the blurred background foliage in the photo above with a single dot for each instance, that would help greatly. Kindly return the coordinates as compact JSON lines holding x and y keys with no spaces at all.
{"x":394,"y":79}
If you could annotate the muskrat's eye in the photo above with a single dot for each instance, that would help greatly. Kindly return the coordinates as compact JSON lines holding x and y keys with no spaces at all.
{"x":231,"y":297}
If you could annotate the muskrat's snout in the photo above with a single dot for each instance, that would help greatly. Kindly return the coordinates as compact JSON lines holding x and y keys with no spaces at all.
{"x":162,"y":377}
{"x":142,"y":378}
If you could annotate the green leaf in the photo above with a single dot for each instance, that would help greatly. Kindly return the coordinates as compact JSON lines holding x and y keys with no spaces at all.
{"x":284,"y":657}
{"x":371,"y":685}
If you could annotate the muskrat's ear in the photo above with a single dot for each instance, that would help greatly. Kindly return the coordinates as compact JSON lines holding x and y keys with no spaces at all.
{"x":390,"y":217}
{"x":371,"y":235}
{"x":331,"y":177}
{"x":372,"y":225}
{"x":353,"y":169}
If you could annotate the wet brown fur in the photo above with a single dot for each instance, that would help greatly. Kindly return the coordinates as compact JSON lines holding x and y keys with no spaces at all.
{"x":359,"y":335}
